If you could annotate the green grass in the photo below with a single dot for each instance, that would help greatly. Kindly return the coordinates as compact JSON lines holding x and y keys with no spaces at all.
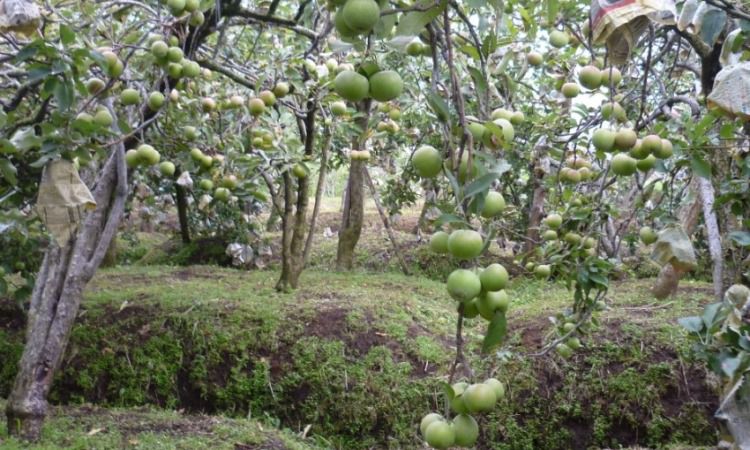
{"x":360,"y":357}
{"x":90,"y":427}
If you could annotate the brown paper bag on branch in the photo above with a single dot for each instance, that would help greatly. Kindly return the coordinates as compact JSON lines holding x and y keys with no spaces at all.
{"x":619,"y":23}
{"x":63,"y":200}
{"x":674,"y":249}
{"x":20,"y":16}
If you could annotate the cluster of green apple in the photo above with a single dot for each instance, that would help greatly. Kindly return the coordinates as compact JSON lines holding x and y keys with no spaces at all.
{"x":187,"y":9}
{"x":369,"y":81}
{"x":391,"y":114}
{"x":464,"y":399}
{"x":224,"y":191}
{"x":634,"y":154}
{"x":553,"y":223}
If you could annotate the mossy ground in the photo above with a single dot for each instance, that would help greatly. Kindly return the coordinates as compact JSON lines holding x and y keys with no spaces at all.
{"x":91,"y":427}
{"x":359,"y":357}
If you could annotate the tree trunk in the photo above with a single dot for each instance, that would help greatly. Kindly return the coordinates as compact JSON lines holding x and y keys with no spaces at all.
{"x":706,"y":190}
{"x":353,"y":216}
{"x":354,"y":201}
{"x":182,"y":206}
{"x":318,"y":195}
{"x":536,"y":209}
{"x":57,"y":295}
{"x":294,"y":218}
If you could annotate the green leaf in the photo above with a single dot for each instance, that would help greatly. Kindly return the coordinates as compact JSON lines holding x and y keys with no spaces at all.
{"x":64,"y":94}
{"x":710,"y":315}
{"x":439,"y":106}
{"x":480,"y":81}
{"x":693,"y":324}
{"x":481,"y":184}
{"x":448,"y":218}
{"x":450,"y":394}
{"x":412,"y":23}
{"x":8,"y":171}
{"x":67,"y":35}
{"x":740,"y":237}
{"x":729,"y":365}
{"x":25,"y":139}
{"x":495,"y":332}
{"x":700,"y":166}
{"x":553,"y":6}
{"x":713,"y":24}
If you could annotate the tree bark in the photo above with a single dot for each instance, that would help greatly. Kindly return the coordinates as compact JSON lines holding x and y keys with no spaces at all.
{"x":706,"y":190}
{"x":57,"y":295}
{"x":318,"y":195}
{"x":182,"y":206}
{"x":354,"y":201}
{"x":352,"y":218}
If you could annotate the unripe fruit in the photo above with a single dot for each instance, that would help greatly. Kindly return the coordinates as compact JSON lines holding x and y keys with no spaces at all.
{"x":590,"y":77}
{"x":159,"y":49}
{"x":638,"y":152}
{"x":465,"y":244}
{"x":492,"y":301}
{"x":155,"y":101}
{"x":623,"y":165}
{"x":256,"y":106}
{"x":457,"y":403}
{"x":477,"y":130}
{"x":665,"y":151}
{"x":130,"y":96}
{"x":648,"y":236}
{"x":197,"y":18}
{"x":281,"y":89}
{"x":176,"y":6}
{"x":570,"y":90}
{"x":174,"y":70}
{"x":589,"y":242}
{"x":603,"y":139}
{"x":385,"y":85}
{"x":616,"y":76}
{"x":131,"y":158}
{"x":190,"y":133}
{"x":501,"y":113}
{"x":167,"y":168}
{"x":497,"y":385}
{"x":414,"y":48}
{"x":299,"y":171}
{"x":466,"y":430}
{"x":361,"y":15}
{"x":470,"y":309}
{"x":646,"y":164}
{"x":394,"y":114}
{"x":206,"y":162}
{"x":229,"y":182}
{"x":542,"y":271}
{"x":569,"y":175}
{"x":534,"y":59}
{"x":494,"y":204}
{"x":236,"y":101}
{"x":558,"y":38}
{"x":222,"y":194}
{"x":338,"y":108}
{"x":196,"y":154}
{"x":494,"y":277}
{"x":350,"y":85}
{"x":190,"y":69}
{"x":572,"y":238}
{"x":574,"y":343}
{"x":174,"y":54}
{"x":439,"y":242}
{"x":479,"y":398}
{"x":208,"y":104}
{"x":206,"y":184}
{"x":268,"y":97}
{"x":439,"y":434}
{"x":553,"y":221}
{"x":94,"y":85}
{"x":463,"y":285}
{"x":517,"y":118}
{"x":103,"y":118}
{"x":427,"y":162}
{"x":192,"y":5}
{"x":549,"y":235}
{"x":625,"y":138}
{"x":564,"y":351}
{"x":148,"y":155}
{"x":428,"y":420}
{"x":651,"y":144}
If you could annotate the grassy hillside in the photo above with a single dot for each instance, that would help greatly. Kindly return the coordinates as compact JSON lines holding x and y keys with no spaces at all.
{"x":359,"y":357}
